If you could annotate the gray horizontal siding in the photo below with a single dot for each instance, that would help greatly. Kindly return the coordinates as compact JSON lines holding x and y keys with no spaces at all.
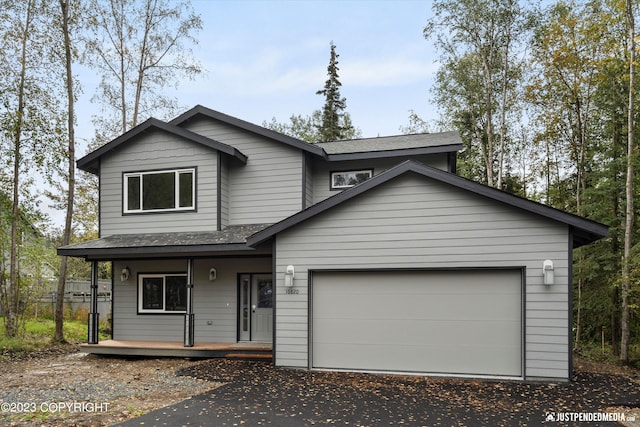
{"x":308,"y":182}
{"x":413,"y":222}
{"x":269,"y":187}
{"x":153,"y":151}
{"x":224,"y":192}
{"x":214,"y":302}
{"x":321,"y":170}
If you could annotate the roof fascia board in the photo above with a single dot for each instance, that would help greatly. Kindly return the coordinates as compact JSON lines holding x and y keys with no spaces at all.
{"x":250,"y":127}
{"x":152,"y":250}
{"x":591,"y":228}
{"x":86,"y":163}
{"x":394,"y":153}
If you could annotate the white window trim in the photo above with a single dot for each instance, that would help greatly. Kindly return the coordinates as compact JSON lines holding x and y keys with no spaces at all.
{"x":125,"y":190}
{"x":341,"y":187}
{"x":142,"y":310}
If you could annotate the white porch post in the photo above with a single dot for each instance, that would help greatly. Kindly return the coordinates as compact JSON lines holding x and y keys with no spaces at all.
{"x":189,"y":316}
{"x":94,"y":316}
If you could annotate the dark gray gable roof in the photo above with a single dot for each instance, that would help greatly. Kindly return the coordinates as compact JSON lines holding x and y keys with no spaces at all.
{"x":149,"y":244}
{"x":365,"y":148}
{"x":199,"y":110}
{"x":90,"y":162}
{"x":392,"y":146}
{"x":584,"y":230}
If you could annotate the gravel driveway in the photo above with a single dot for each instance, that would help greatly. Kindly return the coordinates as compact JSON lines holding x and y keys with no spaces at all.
{"x":257,"y":393}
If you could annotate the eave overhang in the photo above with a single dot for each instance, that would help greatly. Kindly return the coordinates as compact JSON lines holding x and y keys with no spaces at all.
{"x":584,"y":231}
{"x":405,"y":152}
{"x":202,"y":111}
{"x":165,"y":245}
{"x":91,"y":162}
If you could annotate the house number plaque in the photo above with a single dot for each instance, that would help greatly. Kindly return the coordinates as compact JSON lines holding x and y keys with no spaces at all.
{"x":291,"y":291}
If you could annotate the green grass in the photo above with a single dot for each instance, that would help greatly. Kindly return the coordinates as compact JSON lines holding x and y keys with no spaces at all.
{"x":593,"y":352}
{"x":38,"y":334}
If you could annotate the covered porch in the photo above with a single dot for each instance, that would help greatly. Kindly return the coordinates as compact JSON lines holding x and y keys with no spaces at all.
{"x":183,"y":294}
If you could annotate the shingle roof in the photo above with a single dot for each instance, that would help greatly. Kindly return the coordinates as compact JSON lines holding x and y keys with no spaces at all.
{"x":584,"y":231}
{"x":230,"y":238}
{"x":425,"y":143}
{"x":390,"y":143}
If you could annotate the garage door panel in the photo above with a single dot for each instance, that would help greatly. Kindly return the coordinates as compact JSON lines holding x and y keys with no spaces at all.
{"x":400,"y":332}
{"x":465,"y":322}
{"x":418,"y":306}
{"x":413,"y":358}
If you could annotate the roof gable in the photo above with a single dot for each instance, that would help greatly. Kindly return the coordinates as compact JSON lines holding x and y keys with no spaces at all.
{"x":90,"y":162}
{"x":584,"y":230}
{"x":199,"y":110}
{"x":352,"y":149}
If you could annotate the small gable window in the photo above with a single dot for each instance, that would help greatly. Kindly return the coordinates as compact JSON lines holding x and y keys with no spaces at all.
{"x":162,"y":293}
{"x":157,"y":191}
{"x":347,"y":179}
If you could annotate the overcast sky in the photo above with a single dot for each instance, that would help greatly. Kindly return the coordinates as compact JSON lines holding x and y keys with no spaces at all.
{"x":267,"y":59}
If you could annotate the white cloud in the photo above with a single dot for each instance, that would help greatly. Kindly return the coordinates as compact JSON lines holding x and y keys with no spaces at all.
{"x":396,"y":71}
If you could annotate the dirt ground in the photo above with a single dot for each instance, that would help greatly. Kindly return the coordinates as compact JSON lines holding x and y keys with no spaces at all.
{"x":62,"y":386}
{"x":65,"y":387}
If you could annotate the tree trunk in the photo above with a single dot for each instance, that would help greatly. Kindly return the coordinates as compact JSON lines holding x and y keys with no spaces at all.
{"x":66,"y":238}
{"x":628,"y":223}
{"x":576,"y":343}
{"x":13,"y":303}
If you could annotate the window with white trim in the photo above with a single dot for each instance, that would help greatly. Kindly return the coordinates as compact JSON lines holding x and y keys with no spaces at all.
{"x":162,"y":293}
{"x":159,"y":191}
{"x":347,"y":179}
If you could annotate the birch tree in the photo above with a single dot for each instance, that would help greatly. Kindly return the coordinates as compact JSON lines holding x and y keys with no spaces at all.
{"x":570,"y":49}
{"x":70,"y":160}
{"x":629,"y":188}
{"x":478,"y":42}
{"x":29,"y":123}
{"x":140,"y":48}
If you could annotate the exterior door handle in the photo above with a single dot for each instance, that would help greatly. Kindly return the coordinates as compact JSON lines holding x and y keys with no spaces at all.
{"x":253,"y":307}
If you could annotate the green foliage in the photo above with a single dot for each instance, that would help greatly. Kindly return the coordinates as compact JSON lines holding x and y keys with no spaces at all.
{"x":37,"y":335}
{"x":565,"y":130}
{"x":334,"y":125}
{"x":480,"y":45}
{"x":306,"y":128}
{"x":416,"y":125}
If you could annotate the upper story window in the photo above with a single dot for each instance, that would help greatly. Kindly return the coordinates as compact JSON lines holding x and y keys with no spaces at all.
{"x":159,"y":191}
{"x":347,"y":179}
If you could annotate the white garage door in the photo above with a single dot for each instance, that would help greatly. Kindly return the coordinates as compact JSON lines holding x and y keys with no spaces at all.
{"x":452,"y":322}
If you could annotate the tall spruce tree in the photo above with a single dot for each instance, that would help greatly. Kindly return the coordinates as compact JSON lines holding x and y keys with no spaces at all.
{"x":333,"y":126}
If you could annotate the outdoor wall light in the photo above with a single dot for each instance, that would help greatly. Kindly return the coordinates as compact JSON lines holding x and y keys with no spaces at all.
{"x":547,"y":272}
{"x":289,"y":275}
{"x":124,"y":275}
{"x":213,"y":274}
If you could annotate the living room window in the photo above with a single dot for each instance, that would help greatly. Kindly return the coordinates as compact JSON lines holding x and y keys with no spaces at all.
{"x":347,"y":179}
{"x":162,"y":293}
{"x":158,"y":191}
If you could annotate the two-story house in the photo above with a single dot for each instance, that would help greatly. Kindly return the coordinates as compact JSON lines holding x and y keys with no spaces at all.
{"x":368,"y":255}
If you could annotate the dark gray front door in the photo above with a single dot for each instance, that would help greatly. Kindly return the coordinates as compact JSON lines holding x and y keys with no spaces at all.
{"x":256,"y":307}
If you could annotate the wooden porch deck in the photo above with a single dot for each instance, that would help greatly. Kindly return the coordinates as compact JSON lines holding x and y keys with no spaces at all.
{"x":246,"y":350}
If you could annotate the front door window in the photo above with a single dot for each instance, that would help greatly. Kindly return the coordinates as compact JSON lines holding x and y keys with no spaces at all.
{"x":256,"y":308}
